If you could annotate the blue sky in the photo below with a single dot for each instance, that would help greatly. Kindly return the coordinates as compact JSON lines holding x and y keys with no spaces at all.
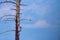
{"x":45,"y":24}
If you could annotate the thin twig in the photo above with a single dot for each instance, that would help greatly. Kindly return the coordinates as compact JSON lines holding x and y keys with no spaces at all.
{"x":6,"y":31}
{"x":7,"y":2}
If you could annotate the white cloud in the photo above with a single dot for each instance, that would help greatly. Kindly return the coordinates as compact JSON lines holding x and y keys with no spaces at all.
{"x":41,"y":23}
{"x":5,"y":10}
{"x":38,"y":24}
{"x":38,"y":9}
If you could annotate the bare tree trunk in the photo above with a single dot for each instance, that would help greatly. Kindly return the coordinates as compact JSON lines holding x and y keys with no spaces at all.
{"x":17,"y":19}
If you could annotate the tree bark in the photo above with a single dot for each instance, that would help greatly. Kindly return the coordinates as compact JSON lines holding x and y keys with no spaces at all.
{"x":17,"y":19}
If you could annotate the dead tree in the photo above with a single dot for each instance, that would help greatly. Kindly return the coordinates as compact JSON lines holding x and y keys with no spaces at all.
{"x":17,"y":17}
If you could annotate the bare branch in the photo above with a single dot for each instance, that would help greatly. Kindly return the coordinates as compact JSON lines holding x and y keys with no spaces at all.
{"x":6,"y":15}
{"x":23,"y":5}
{"x":13,"y":9}
{"x":16,"y":10}
{"x":20,"y":28}
{"x":9,"y":19}
{"x":20,"y":13}
{"x":29,"y":19}
{"x":8,"y":2}
{"x":6,"y":31}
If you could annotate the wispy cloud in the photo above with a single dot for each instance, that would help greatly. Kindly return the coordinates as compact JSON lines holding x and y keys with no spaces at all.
{"x":38,"y":9}
{"x":5,"y":10}
{"x":38,"y":24}
{"x":41,"y":23}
